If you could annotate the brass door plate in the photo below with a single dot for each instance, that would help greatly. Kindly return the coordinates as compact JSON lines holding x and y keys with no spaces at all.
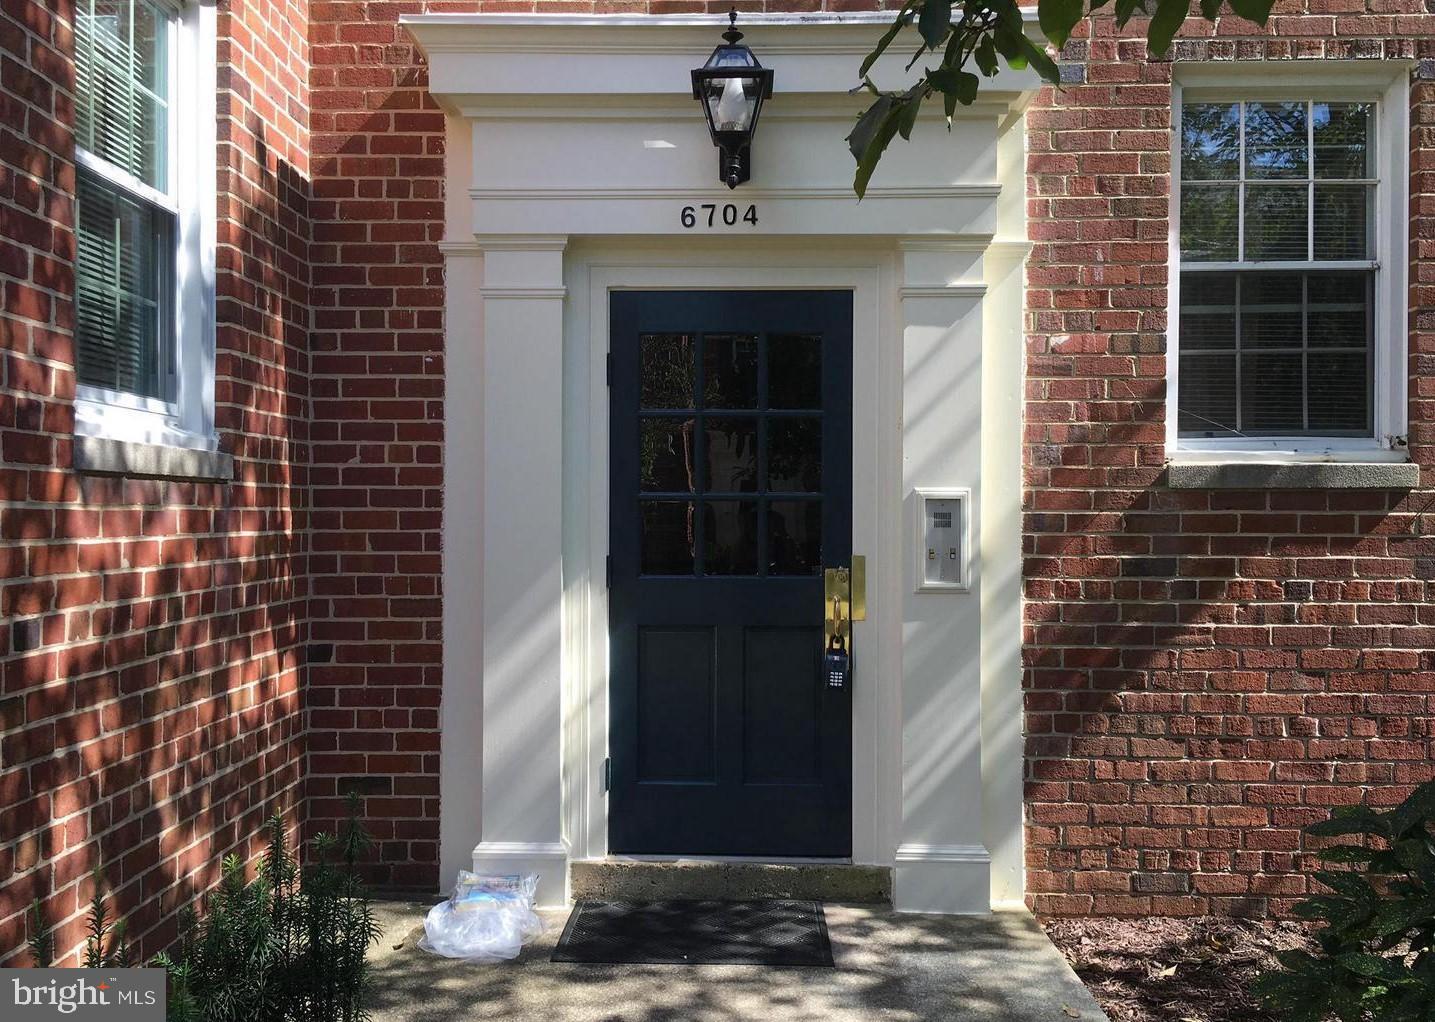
{"x":844,"y":599}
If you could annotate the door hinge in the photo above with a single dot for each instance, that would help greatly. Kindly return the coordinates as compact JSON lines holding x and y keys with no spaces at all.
{"x":608,"y":773}
{"x":608,"y":571}
{"x":609,"y":370}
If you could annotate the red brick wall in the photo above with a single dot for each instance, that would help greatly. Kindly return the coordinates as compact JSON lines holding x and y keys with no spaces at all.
{"x":378,"y":434}
{"x":1206,"y":671}
{"x":152,"y":635}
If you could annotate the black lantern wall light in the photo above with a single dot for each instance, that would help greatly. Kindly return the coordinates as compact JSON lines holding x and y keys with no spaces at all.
{"x":731,"y":87}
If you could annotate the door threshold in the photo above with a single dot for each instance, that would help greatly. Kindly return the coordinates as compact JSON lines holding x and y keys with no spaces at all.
{"x":659,"y":878}
{"x":744,"y":860}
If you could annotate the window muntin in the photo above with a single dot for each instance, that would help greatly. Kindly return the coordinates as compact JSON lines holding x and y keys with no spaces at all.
{"x":1277,"y":282}
{"x":126,"y":216}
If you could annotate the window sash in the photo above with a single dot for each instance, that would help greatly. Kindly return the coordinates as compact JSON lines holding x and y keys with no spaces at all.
{"x":123,"y":112}
{"x":1242,"y":266}
{"x":1243,"y":422}
{"x":127,"y":215}
{"x":1311,"y":181}
{"x":124,"y":291}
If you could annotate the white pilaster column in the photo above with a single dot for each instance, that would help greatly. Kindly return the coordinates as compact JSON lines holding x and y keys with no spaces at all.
{"x":942,"y":863}
{"x":461,"y":708}
{"x":522,"y":583}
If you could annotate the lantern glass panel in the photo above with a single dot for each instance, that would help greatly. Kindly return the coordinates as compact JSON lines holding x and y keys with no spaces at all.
{"x":731,"y":102}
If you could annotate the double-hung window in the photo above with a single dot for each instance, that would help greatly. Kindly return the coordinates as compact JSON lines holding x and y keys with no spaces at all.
{"x":1287,"y":331}
{"x":144,"y":236}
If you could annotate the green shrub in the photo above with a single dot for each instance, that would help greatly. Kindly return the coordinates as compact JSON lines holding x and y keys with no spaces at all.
{"x":1375,"y":957}
{"x":288,"y":945}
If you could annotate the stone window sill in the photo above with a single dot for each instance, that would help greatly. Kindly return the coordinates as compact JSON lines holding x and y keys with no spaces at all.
{"x":102,"y":456}
{"x":1315,"y":475}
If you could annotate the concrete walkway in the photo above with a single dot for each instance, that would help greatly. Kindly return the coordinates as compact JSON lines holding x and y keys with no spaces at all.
{"x":895,"y":968}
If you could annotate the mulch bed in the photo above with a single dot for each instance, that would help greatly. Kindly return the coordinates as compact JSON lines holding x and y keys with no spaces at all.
{"x":1174,"y":970}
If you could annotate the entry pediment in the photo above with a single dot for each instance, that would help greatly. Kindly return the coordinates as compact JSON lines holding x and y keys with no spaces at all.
{"x":586,"y":126}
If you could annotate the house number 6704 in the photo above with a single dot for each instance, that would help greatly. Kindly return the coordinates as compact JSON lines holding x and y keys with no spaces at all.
{"x":714,"y":214}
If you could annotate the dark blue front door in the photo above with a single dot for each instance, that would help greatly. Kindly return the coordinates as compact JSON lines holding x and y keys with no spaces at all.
{"x":731,"y":491}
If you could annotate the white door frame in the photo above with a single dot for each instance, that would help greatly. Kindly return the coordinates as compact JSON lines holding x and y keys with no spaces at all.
{"x":594,"y":271}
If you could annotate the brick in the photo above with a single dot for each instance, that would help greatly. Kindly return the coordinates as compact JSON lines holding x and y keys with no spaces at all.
{"x":1288,"y":622}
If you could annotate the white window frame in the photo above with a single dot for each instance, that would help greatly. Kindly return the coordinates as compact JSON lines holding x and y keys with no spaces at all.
{"x":1386,"y":84}
{"x":188,"y":419}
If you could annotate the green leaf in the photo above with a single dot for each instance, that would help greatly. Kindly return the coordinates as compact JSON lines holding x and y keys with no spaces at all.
{"x":1040,"y":61}
{"x":907,"y":116}
{"x":1414,"y":856}
{"x":901,"y":21}
{"x":1398,"y":916}
{"x":1169,"y":17}
{"x":1350,"y":885}
{"x":870,"y":138}
{"x":1351,"y":820}
{"x":935,"y":21}
{"x":1337,"y":911}
{"x":1126,"y":8}
{"x":985,"y":55}
{"x":1058,"y":18}
{"x":1346,"y":853}
{"x":1414,"y":813}
{"x":1374,"y":967}
{"x":951,"y":82}
{"x":1210,"y":8}
{"x":1253,"y":10}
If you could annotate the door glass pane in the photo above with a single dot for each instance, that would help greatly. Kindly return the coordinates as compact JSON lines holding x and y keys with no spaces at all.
{"x":1276,"y":141}
{"x":794,"y":371}
{"x":731,"y":455}
{"x":666,"y":370}
{"x":667,"y":537}
{"x":731,"y":545}
{"x":730,"y":371}
{"x":794,"y":455}
{"x":665,"y":456}
{"x":794,"y":537}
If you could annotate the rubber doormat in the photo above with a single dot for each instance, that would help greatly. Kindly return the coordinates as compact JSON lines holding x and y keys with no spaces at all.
{"x":696,"y":933}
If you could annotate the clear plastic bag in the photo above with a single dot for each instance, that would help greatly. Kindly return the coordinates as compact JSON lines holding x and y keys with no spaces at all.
{"x":489,"y":918}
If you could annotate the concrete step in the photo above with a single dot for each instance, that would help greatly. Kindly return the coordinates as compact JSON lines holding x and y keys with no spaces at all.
{"x":708,"y":880}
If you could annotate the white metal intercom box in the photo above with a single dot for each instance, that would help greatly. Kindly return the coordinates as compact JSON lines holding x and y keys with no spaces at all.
{"x":942,"y":539}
